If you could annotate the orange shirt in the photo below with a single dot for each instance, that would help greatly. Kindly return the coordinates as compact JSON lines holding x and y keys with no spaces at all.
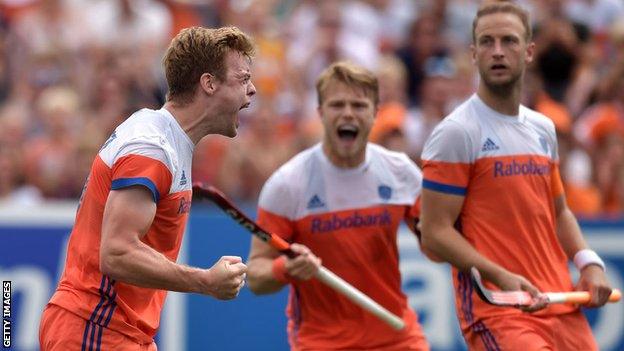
{"x":506,"y":167}
{"x":349,"y":218}
{"x":148,"y":149}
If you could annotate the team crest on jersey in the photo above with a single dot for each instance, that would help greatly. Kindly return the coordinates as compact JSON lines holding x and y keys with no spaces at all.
{"x":544,"y":144}
{"x":385,"y":192}
{"x":315,"y":202}
{"x":183,"y":179}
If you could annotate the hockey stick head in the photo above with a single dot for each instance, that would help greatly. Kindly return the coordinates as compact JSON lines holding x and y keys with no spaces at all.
{"x":498,"y":298}
{"x":484,"y":294}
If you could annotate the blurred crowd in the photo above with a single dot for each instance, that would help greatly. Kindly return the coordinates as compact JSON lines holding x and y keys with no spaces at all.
{"x":71,"y":70}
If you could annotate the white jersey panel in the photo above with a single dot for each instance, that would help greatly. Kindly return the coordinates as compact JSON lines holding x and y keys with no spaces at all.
{"x":155,"y":134}
{"x":310,"y":184}
{"x":476,"y":131}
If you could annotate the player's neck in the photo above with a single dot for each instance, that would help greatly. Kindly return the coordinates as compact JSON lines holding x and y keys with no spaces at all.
{"x":187,"y":118}
{"x":505,"y":101}
{"x":343,"y":162}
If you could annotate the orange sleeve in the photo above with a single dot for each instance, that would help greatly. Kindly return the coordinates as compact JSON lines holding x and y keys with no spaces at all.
{"x":446,"y":177}
{"x":275,"y":224}
{"x":134,"y":169}
{"x":556,"y":183}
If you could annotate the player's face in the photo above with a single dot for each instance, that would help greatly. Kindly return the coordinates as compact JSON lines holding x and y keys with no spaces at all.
{"x":347,"y":114}
{"x":235,"y":92}
{"x":500,"y":51}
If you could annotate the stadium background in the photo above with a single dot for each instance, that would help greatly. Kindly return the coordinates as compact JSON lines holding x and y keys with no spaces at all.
{"x":71,"y":70}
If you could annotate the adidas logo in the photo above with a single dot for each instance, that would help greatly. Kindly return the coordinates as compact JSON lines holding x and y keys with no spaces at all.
{"x":315,"y":202}
{"x":489,"y":145}
{"x":183,"y":179}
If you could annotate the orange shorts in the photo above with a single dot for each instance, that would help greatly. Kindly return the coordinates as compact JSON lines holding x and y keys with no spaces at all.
{"x":61,"y":330}
{"x":528,"y":332}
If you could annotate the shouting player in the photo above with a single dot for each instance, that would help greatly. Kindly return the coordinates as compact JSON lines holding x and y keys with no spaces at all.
{"x":135,"y":205}
{"x":341,"y":202}
{"x":492,"y":198}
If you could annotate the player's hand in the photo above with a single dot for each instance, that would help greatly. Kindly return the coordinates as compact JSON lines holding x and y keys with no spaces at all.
{"x":594,"y":280}
{"x":305,"y":265}
{"x":508,"y":281}
{"x":225,"y":278}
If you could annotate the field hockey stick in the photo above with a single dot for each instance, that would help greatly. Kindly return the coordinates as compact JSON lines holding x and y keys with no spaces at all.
{"x":523,"y":298}
{"x":323,"y":274}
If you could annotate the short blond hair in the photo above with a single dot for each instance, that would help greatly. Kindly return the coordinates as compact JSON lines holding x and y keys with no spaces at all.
{"x":503,"y":6}
{"x":198,"y":50}
{"x":351,"y":75}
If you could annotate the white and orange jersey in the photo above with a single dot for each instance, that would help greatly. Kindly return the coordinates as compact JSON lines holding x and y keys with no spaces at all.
{"x":507,"y":169}
{"x":149,"y":149}
{"x":349,"y":218}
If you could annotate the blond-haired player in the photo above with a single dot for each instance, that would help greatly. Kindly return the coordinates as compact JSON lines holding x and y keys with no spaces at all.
{"x":492,"y":198}
{"x":341,"y":202}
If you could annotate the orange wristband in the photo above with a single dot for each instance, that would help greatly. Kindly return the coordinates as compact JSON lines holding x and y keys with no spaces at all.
{"x":279,"y":270}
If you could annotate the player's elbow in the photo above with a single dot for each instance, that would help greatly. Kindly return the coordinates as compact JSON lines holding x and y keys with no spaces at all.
{"x":426,"y":241}
{"x":108,"y":264}
{"x":260,"y":284}
{"x":430,"y":244}
{"x":418,"y":233}
{"x":112,"y":262}
{"x":431,"y":256}
{"x":257,"y":286}
{"x":254,"y":285}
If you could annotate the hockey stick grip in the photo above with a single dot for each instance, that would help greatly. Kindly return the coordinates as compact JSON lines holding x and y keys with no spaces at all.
{"x":579,"y":297}
{"x":335,"y":282}
{"x":523,"y":298}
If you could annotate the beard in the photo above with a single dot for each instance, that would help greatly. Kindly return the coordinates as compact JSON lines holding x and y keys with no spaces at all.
{"x":502,"y":88}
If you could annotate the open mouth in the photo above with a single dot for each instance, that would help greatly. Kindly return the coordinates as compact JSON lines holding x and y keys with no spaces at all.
{"x":244,"y":106}
{"x":347,"y":132}
{"x":498,"y":67}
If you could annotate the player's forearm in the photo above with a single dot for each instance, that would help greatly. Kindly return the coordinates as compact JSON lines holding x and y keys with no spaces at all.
{"x":448,"y":244}
{"x":569,"y":233}
{"x":568,"y":230}
{"x":143,"y":266}
{"x":260,"y":278}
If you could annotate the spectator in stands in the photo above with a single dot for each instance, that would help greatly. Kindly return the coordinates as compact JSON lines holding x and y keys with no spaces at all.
{"x":112,"y":63}
{"x":49,"y":157}
{"x":601,"y":129}
{"x":259,"y":151}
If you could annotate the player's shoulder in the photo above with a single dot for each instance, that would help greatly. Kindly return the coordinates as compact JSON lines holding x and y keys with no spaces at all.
{"x":379,"y":151}
{"x":458,"y":126}
{"x":395,"y":169}
{"x":390,"y":159}
{"x":464,"y":113}
{"x":145,"y":133}
{"x":456,"y":137}
{"x":280,"y":193}
{"x":298,"y":166}
{"x":292,"y":174}
{"x":538,"y":120}
{"x":145,"y":122}
{"x":462,"y":121}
